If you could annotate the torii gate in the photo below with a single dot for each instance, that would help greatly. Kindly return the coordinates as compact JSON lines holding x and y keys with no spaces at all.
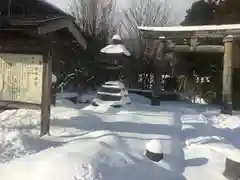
{"x":228,"y":33}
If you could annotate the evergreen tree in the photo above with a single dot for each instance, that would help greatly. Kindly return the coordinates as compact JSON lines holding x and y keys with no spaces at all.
{"x":227,"y":12}
{"x":200,"y":13}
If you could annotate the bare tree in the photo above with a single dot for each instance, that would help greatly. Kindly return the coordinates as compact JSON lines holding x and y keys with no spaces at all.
{"x":94,"y":17}
{"x":143,"y":13}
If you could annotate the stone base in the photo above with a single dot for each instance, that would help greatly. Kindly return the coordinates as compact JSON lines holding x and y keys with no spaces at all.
{"x":226,"y":108}
{"x":73,"y":99}
{"x":236,"y":89}
{"x":232,"y":170}
{"x":156,"y":157}
{"x":155,"y":101}
{"x":54,"y":99}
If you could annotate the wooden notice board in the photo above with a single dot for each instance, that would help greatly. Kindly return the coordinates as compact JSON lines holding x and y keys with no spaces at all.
{"x":21,"y":78}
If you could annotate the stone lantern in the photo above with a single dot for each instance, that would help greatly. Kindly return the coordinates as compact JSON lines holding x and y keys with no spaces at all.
{"x":115,"y":59}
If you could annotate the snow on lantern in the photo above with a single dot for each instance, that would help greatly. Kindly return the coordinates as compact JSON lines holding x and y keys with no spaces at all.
{"x":116,"y":48}
{"x":153,"y":150}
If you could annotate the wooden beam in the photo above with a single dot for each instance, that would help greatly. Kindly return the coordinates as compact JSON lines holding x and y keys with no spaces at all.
{"x":221,"y":28}
{"x":200,"y":48}
{"x":186,"y":35}
{"x":199,"y":31}
{"x":21,"y":46}
{"x":61,"y":23}
{"x":53,"y":25}
{"x":77,"y":34}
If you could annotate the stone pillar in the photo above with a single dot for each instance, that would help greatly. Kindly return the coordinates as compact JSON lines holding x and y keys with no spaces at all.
{"x":235,"y":76}
{"x":227,"y":75}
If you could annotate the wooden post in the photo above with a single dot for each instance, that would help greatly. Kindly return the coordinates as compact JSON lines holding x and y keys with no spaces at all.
{"x":50,"y":63}
{"x":46,"y":93}
{"x":227,"y":75}
{"x":158,"y":57}
{"x":158,"y":62}
{"x":199,"y":48}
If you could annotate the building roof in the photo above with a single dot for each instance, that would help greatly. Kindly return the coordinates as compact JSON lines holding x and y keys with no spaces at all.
{"x":192,"y":28}
{"x":41,"y":15}
{"x":213,"y":30}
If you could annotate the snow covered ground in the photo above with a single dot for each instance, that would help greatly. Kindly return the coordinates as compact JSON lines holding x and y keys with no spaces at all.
{"x":89,"y":143}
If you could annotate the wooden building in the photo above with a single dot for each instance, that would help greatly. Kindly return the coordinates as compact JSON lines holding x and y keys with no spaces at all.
{"x":36,"y":27}
{"x":35,"y":21}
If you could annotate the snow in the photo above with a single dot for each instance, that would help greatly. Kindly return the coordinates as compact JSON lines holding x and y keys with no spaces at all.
{"x":154,"y":146}
{"x":191,"y":28}
{"x":97,"y":158}
{"x":91,"y":143}
{"x":199,"y":100}
{"x":110,"y":86}
{"x":116,"y":37}
{"x":54,"y":78}
{"x":91,"y":95}
{"x":229,"y":126}
{"x":115,"y":49}
{"x":203,"y":163}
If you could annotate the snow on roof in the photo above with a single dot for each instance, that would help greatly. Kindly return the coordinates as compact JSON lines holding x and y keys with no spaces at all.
{"x":191,"y":28}
{"x":230,"y":152}
{"x":115,"y":49}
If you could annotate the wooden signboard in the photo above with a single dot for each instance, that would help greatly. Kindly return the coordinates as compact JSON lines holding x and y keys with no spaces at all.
{"x":21,"y":78}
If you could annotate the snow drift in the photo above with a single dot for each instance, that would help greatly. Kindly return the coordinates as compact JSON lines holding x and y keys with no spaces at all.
{"x":99,"y":155}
